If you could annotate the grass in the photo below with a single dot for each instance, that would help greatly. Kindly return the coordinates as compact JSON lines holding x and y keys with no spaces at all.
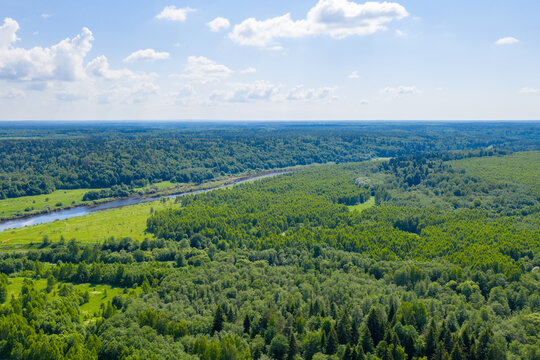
{"x":98,"y":293}
{"x":363,"y":206}
{"x":129,"y":221}
{"x":28,"y":205}
{"x":520,"y":168}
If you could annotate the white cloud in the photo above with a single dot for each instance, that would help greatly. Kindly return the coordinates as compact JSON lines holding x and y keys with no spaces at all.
{"x":266,"y":91}
{"x":336,"y":18}
{"x":139,"y":93}
{"x":528,"y":90}
{"x":46,"y":16}
{"x":248,"y":70}
{"x":300,"y":93}
{"x":70,"y":95}
{"x":219,"y":24}
{"x":13,"y":93}
{"x":146,"y":55}
{"x":259,"y":90}
{"x":99,"y":67}
{"x":400,"y":90}
{"x":173,"y":13}
{"x":354,"y":75}
{"x":507,"y":41}
{"x":183,"y":95}
{"x":63,"y":61}
{"x":8,"y":33}
{"x":204,"y":70}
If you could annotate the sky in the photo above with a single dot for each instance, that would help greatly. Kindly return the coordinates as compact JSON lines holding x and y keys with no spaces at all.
{"x":269,"y":60}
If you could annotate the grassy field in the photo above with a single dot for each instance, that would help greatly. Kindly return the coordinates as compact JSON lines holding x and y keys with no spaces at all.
{"x":28,"y":205}
{"x":363,"y":206}
{"x":129,"y":221}
{"x":98,"y":293}
{"x":520,"y":168}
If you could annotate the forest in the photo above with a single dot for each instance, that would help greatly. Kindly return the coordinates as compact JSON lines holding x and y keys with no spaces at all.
{"x":38,"y":159}
{"x":411,"y":242}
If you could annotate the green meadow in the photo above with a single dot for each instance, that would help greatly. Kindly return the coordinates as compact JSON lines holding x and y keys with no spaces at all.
{"x":98,"y":294}
{"x":363,"y":206}
{"x":129,"y":221}
{"x":28,"y":205}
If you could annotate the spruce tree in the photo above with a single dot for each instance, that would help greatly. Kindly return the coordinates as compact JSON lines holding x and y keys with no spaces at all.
{"x":219,"y":319}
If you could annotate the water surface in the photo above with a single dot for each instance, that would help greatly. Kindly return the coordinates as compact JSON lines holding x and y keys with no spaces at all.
{"x":85,"y":210}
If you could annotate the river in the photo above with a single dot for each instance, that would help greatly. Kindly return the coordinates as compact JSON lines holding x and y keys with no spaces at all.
{"x":85,"y":210}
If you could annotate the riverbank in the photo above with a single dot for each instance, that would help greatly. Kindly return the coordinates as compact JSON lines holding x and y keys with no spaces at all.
{"x":79,"y":211}
{"x":151,"y":191}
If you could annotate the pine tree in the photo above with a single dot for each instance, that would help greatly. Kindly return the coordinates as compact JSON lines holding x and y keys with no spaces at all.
{"x":348,"y":354}
{"x":431,"y":339}
{"x":457,"y":353}
{"x":483,"y":344}
{"x":366,"y":341}
{"x":445,"y":337}
{"x":375,"y":325}
{"x":331,"y":342}
{"x":219,"y":319}
{"x":354,"y":332}
{"x":344,"y":328}
{"x":247,"y":324}
{"x":293,"y":348}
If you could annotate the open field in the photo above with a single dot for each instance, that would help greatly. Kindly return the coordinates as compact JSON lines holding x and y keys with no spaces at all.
{"x":98,"y":294}
{"x":59,"y":199}
{"x":129,"y":221}
{"x":28,"y":205}
{"x":363,"y":206}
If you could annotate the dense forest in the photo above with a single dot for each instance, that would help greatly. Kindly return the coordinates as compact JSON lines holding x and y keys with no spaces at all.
{"x":39,"y":159}
{"x":430,"y":250}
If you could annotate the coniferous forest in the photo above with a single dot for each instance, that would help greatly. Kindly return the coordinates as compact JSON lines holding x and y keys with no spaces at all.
{"x":387,"y":241}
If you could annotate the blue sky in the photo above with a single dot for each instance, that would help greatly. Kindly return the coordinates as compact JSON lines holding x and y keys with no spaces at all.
{"x":265,"y":60}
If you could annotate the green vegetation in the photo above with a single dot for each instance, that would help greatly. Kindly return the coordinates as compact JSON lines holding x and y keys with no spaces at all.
{"x":129,"y":221}
{"x":27,"y":205}
{"x":363,"y":206}
{"x":518,"y":168}
{"x":426,"y":255}
{"x":101,"y":157}
{"x":59,"y":199}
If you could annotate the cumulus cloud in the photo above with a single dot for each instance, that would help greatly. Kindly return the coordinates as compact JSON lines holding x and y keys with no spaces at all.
{"x":528,"y":90}
{"x":13,"y":93}
{"x":173,"y":13}
{"x":248,"y":70}
{"x":400,"y":90}
{"x":266,"y":91}
{"x":300,"y":93}
{"x":218,"y":24}
{"x":507,"y":41}
{"x":63,"y":61}
{"x":182,"y":95}
{"x":354,"y":75}
{"x":335,"y":18}
{"x":100,"y":68}
{"x":204,"y":70}
{"x":138,"y":93}
{"x":146,"y":55}
{"x":70,"y":95}
{"x":259,"y":90}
